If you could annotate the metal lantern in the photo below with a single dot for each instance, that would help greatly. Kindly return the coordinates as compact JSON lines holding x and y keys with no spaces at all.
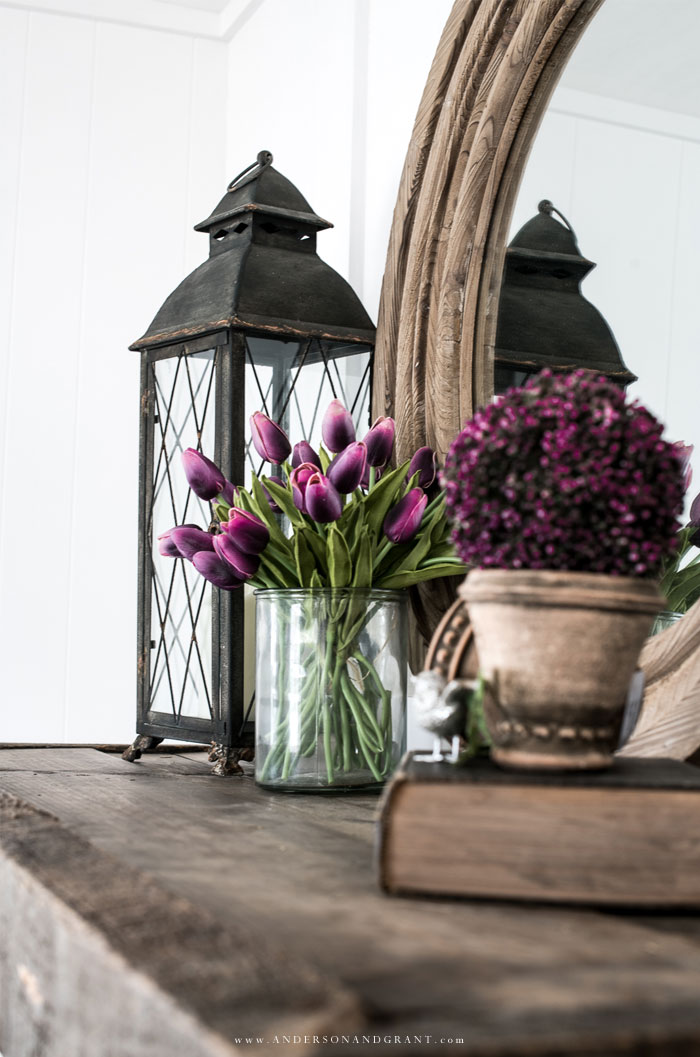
{"x":263,"y":324}
{"x":543,"y":319}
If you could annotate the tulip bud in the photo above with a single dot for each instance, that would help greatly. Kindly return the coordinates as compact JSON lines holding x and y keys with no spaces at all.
{"x":299,"y":479}
{"x":247,"y":531}
{"x":323,"y":502}
{"x":189,"y":540}
{"x":303,"y":452}
{"x":166,"y":545}
{"x":269,"y":440}
{"x":243,"y":565}
{"x":695,"y":511}
{"x":203,"y":476}
{"x":423,"y":462}
{"x":337,"y":428}
{"x":347,"y":468}
{"x":403,"y":520}
{"x":380,"y":441}
{"x":684,"y":452}
{"x":228,"y":493}
{"x":217,"y":572}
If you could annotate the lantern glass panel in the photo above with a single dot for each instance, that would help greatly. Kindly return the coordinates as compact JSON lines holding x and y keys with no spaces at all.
{"x":181,"y":603}
{"x":294,"y":382}
{"x":509,"y":378}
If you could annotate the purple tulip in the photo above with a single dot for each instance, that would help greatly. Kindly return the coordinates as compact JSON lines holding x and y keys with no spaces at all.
{"x":337,"y":428}
{"x":299,"y":478}
{"x":403,"y":520}
{"x":347,"y":469}
{"x":424,"y":462}
{"x":229,"y":493}
{"x":380,"y":441}
{"x":217,"y":572}
{"x":166,"y":545}
{"x":694,"y":511}
{"x":203,"y":476}
{"x":243,"y":565}
{"x":323,"y":503}
{"x":269,"y":440}
{"x":684,"y":453}
{"x":247,"y":531}
{"x":189,"y":540}
{"x":303,"y":452}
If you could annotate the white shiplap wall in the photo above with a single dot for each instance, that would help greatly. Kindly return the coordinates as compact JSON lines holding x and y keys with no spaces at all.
{"x":113,"y":146}
{"x":121,"y":122}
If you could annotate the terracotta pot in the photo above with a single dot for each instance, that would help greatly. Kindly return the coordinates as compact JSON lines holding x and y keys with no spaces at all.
{"x":558,"y":651}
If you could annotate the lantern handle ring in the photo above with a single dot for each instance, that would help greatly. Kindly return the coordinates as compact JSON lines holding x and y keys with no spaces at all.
{"x":252,"y":171}
{"x":545,"y":206}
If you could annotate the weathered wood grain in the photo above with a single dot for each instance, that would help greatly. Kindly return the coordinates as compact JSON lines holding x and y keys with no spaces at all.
{"x":621,"y":837}
{"x":95,"y":957}
{"x":94,"y":761}
{"x":295,"y":874}
{"x":669,"y":723}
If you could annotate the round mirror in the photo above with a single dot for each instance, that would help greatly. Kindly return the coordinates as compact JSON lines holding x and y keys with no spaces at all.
{"x":618,"y":152}
{"x":492,"y":79}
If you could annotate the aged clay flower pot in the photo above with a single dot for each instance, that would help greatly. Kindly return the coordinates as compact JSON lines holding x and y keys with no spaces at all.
{"x":558,"y":650}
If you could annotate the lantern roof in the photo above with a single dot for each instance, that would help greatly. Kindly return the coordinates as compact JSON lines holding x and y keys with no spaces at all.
{"x":263,"y":275}
{"x":544,"y":235}
{"x":543,"y":318}
{"x":262,"y":189}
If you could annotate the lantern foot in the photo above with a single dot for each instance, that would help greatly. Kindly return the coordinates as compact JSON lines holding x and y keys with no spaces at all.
{"x":226,"y":759}
{"x":141,"y":743}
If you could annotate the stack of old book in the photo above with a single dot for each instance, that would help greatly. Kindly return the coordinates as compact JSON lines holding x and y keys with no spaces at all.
{"x":626,"y":836}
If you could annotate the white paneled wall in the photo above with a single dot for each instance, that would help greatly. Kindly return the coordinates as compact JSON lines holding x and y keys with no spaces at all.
{"x":332,"y":90}
{"x":113,"y":146}
{"x":626,"y":177}
{"x":116,"y":139}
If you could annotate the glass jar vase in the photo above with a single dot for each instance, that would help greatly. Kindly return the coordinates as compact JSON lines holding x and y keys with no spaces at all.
{"x":330,"y":697}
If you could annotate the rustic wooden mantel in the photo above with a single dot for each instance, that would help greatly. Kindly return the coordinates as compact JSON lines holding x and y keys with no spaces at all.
{"x":152,"y":910}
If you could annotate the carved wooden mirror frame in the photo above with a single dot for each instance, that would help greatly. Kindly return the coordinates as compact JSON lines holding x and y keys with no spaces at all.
{"x":494,"y":72}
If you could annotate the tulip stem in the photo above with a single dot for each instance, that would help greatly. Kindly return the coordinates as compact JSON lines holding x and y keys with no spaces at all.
{"x":372,"y":477}
{"x":382,"y":553}
{"x":343,"y":716}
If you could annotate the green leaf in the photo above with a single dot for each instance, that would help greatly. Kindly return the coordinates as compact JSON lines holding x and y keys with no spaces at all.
{"x":283,"y":497}
{"x":304,"y":559}
{"x":379,"y":501}
{"x":391,"y":560}
{"x":258,"y":504}
{"x":316,"y":579}
{"x":352,"y":519}
{"x":325,"y":458}
{"x":339,"y":564}
{"x":221,"y":511}
{"x":272,"y":567}
{"x":317,"y":547}
{"x":685,"y":591}
{"x":407,"y":579}
{"x":362,"y":560}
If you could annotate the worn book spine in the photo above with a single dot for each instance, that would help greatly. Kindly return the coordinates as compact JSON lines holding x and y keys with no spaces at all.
{"x":626,"y":838}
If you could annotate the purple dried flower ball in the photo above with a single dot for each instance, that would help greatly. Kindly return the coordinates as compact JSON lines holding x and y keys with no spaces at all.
{"x":564,"y":473}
